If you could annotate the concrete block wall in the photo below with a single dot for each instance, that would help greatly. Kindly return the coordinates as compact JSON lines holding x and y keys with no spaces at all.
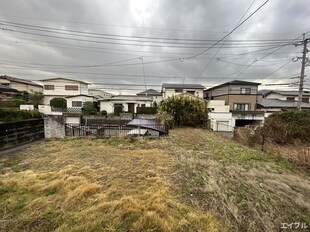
{"x":53,"y":129}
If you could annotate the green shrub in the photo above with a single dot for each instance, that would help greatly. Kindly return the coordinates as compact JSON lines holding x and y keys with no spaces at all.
{"x":17,"y":115}
{"x":185,"y":111}
{"x":147,"y":110}
{"x":58,"y":102}
{"x":104,"y":113}
{"x":89,"y":109}
{"x":288,"y":126}
{"x":118,"y":109}
{"x":35,"y":98}
{"x":24,"y":95}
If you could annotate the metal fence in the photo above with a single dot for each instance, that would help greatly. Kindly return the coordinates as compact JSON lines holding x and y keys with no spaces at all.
{"x":67,"y":110}
{"x":116,"y":130}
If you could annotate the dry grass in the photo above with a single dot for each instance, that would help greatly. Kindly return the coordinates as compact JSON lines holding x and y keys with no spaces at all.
{"x":192,"y":181}
{"x":94,"y":185}
{"x":297,"y":153}
{"x":249,"y":189}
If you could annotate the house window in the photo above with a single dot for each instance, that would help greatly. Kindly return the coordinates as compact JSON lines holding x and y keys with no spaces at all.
{"x":49,"y":87}
{"x":305,"y":100}
{"x":142,"y":105}
{"x":179,"y":90}
{"x":76,"y":104}
{"x":245,"y":91}
{"x":191,"y":92}
{"x":71,"y":87}
{"x":290,"y":99}
{"x":241,"y":106}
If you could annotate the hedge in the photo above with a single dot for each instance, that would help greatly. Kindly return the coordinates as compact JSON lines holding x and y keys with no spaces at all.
{"x":147,"y":110}
{"x":17,"y":115}
{"x":12,"y":103}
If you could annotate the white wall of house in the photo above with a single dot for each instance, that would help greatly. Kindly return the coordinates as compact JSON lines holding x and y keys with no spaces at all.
{"x":218,"y":106}
{"x":276,"y":96}
{"x":81,"y":99}
{"x":157,"y":99}
{"x":109,"y":105}
{"x":59,"y":87}
{"x":21,"y":86}
{"x":25,"y":87}
{"x":98,"y":92}
{"x":167,"y":92}
{"x":221,"y":121}
{"x":47,"y":99}
{"x":45,"y":109}
{"x":73,"y":120}
{"x":282,"y":97}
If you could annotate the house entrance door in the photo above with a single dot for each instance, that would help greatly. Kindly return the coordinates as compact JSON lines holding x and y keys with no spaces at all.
{"x":131,"y":107}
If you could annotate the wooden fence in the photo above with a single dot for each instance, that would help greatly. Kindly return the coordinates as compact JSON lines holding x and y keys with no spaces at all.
{"x":17,"y":133}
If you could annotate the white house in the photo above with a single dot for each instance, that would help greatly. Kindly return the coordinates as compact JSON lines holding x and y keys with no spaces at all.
{"x":63,"y":87}
{"x":20,"y":84}
{"x":170,"y":90}
{"x":78,"y":100}
{"x":155,"y":95}
{"x":129,"y":103}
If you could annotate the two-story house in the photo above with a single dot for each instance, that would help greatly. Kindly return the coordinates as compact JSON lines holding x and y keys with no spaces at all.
{"x":20,"y":84}
{"x":239,"y":95}
{"x":276,"y":100}
{"x":75,"y":92}
{"x":152,"y":93}
{"x":242,"y":97}
{"x":170,"y":90}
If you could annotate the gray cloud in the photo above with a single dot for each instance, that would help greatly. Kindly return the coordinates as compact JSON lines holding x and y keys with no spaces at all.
{"x":169,"y":19}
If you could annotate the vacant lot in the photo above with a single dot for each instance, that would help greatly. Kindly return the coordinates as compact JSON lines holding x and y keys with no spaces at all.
{"x":192,"y":181}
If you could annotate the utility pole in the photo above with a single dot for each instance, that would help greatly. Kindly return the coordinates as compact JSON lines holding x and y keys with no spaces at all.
{"x":302,"y":73}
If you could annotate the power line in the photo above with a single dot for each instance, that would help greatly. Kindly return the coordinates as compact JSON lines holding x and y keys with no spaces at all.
{"x":120,"y":37}
{"x":139,"y":27}
{"x":113,"y":49}
{"x":282,"y":66}
{"x":207,"y":65}
{"x":235,"y":28}
{"x":68,"y":66}
{"x":133,"y":44}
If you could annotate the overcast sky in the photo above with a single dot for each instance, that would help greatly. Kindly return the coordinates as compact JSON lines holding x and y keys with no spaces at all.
{"x":108,"y":33}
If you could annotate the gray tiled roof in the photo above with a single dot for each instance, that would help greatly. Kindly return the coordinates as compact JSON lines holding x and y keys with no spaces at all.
{"x":183,"y":86}
{"x":56,"y":78}
{"x":292,"y":93}
{"x":128,"y":98}
{"x":276,"y":103}
{"x":235,"y":82}
{"x":24,"y":81}
{"x":149,"y":92}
